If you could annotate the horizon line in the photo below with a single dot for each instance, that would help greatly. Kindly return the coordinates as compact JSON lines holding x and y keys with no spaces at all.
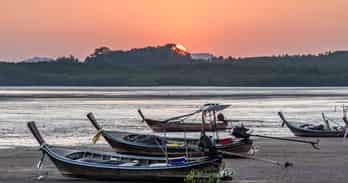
{"x":83,"y":58}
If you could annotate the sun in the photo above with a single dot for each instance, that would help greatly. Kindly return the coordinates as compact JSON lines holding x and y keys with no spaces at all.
{"x":180,"y":47}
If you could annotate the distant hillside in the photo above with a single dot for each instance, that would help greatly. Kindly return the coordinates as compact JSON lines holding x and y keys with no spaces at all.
{"x":37,"y":59}
{"x":170,"y":65}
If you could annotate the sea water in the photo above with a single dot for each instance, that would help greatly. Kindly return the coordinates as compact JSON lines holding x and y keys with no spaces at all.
{"x":60,"y":112}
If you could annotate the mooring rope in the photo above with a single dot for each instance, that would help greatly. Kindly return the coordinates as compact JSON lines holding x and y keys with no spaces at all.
{"x":97,"y":136}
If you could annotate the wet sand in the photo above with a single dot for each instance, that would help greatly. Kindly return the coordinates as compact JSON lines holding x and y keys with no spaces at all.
{"x":329,"y":164}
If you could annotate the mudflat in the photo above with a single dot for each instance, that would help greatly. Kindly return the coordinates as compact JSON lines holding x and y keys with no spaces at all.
{"x":329,"y":164}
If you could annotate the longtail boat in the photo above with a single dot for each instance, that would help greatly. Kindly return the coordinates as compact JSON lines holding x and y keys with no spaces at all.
{"x":308,"y":130}
{"x":154,"y":145}
{"x":102,"y":165}
{"x":178,"y":123}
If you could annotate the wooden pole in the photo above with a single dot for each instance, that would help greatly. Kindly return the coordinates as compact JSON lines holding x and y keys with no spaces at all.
{"x":203,"y":123}
{"x":314,"y":144}
{"x":282,"y":164}
{"x":215,"y":125}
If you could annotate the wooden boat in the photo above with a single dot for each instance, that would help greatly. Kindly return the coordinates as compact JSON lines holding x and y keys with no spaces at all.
{"x":134,"y":143}
{"x":307,"y":130}
{"x":177,"y":124}
{"x":103,"y":165}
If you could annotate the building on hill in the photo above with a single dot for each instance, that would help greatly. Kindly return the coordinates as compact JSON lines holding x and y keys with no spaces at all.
{"x":37,"y":59}
{"x":202,"y":56}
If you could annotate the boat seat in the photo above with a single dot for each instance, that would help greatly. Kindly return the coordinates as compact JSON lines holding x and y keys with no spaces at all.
{"x":93,"y":160}
{"x":178,"y":160}
{"x":75,"y":156}
{"x":133,"y":163}
{"x":174,"y":145}
{"x":158,"y":164}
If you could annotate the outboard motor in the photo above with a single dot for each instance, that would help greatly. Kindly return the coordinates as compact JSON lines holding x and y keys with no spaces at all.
{"x":240,"y":132}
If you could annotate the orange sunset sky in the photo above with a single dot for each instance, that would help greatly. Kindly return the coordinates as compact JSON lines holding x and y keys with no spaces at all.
{"x":222,"y":27}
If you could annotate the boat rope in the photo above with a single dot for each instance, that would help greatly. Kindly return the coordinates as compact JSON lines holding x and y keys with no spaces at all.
{"x":42,"y":158}
{"x":164,"y":151}
{"x":39,"y":166}
{"x":186,"y":144}
{"x":97,"y":136}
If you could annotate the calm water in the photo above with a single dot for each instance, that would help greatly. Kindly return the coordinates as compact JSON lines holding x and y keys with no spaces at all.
{"x":60,"y":111}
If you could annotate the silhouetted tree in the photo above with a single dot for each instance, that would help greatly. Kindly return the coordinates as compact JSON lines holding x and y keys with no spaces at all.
{"x":69,"y":59}
{"x":101,"y":51}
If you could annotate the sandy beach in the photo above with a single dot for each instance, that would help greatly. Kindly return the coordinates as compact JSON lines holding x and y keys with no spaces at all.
{"x":329,"y":164}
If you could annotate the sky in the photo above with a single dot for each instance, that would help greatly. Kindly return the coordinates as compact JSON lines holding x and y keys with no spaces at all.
{"x":238,"y":28}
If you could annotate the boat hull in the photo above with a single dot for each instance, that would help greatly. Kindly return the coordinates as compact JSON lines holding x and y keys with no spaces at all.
{"x":116,"y":141}
{"x":300,"y":132}
{"x":90,"y":172}
{"x":159,"y":126}
{"x":242,"y":147}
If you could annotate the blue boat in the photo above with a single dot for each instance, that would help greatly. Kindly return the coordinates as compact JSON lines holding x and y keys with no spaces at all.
{"x":104,"y":165}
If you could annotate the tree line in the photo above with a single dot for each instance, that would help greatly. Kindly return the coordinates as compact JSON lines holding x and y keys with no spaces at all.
{"x":155,"y":66}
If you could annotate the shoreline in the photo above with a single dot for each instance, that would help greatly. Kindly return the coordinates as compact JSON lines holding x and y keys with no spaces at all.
{"x":169,"y":96}
{"x":310,"y":166}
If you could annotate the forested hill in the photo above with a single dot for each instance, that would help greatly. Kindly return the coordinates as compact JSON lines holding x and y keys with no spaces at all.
{"x":165,"y":65}
{"x":160,"y":55}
